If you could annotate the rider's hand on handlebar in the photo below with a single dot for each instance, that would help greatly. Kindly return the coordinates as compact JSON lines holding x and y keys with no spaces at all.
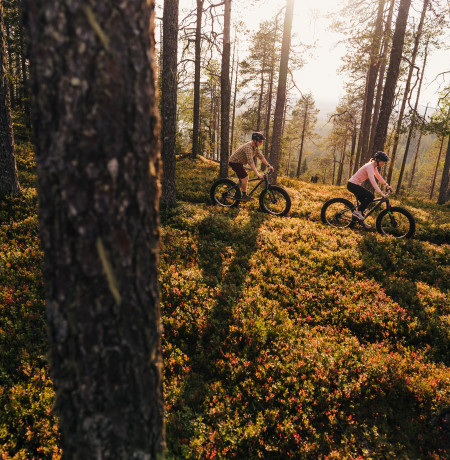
{"x":260,"y":176}
{"x":270,"y":168}
{"x":388,"y":188}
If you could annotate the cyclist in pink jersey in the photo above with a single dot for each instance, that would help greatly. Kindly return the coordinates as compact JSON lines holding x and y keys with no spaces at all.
{"x":364,"y":196}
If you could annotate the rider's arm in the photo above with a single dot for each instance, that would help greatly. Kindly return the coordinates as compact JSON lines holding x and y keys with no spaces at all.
{"x":378,"y":176}
{"x":371,"y":171}
{"x":264,"y":161}
{"x":252,"y":165}
{"x":381,"y":180}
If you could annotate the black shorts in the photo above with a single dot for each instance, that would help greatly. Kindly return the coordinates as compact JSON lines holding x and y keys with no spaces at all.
{"x":239,"y":169}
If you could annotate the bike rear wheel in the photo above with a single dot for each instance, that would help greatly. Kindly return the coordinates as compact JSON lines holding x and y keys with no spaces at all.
{"x":275,"y":200}
{"x":396,"y":222}
{"x":226,"y":193}
{"x":337,"y":213}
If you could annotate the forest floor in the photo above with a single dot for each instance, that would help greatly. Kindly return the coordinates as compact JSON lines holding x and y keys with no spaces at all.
{"x":283,"y":338}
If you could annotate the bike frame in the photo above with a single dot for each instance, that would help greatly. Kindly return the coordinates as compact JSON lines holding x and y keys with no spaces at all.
{"x":379,"y":202}
{"x":265,"y":180}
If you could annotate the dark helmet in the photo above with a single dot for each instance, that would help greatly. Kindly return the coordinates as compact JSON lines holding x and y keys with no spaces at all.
{"x":381,"y":156}
{"x":258,"y":136}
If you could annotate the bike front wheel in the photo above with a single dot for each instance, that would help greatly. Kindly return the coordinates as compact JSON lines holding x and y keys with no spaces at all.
{"x":275,"y":200}
{"x":226,"y":193}
{"x":396,"y":222}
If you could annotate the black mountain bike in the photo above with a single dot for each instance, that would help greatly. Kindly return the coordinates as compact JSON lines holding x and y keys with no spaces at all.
{"x":272,"y":199}
{"x":393,"y":220}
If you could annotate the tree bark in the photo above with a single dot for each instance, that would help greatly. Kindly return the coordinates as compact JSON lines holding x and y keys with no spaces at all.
{"x":433,"y":182}
{"x":413,"y":122}
{"x":300,"y":155}
{"x":196,"y":114}
{"x":9,"y":180}
{"x":233,"y":118}
{"x":381,"y":72}
{"x":225,"y":93}
{"x":98,"y":165}
{"x":392,"y":75}
{"x":371,"y":82}
{"x":281,"y":92}
{"x":443,"y":189}
{"x":407,"y":88}
{"x":169,"y":100}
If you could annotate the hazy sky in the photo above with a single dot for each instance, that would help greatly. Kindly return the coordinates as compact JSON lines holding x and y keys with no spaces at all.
{"x":311,"y":25}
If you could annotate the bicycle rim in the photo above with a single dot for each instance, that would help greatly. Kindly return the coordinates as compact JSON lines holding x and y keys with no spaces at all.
{"x":397,"y":223}
{"x":226,"y":194}
{"x":338,"y":215}
{"x":275,"y":201}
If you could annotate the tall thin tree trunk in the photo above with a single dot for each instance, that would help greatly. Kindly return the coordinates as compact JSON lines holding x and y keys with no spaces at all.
{"x":413,"y":171}
{"x":443,"y":189}
{"x":270,"y":92}
{"x":371,"y":82}
{"x":234,"y":106}
{"x":407,"y":88}
{"x":353,"y":148}
{"x":413,"y":122}
{"x":225,"y":93}
{"x":281,"y":93}
{"x":392,"y":75}
{"x":98,"y":164}
{"x":300,"y":154}
{"x":359,"y":156}
{"x":381,"y":72}
{"x":197,"y":60}
{"x":261,"y":94}
{"x":169,"y":100}
{"x":9,"y":180}
{"x":341,"y":163}
{"x":433,"y":182}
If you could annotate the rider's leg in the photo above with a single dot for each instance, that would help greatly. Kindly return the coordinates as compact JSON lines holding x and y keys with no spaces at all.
{"x":363,"y":195}
{"x":243,"y":184}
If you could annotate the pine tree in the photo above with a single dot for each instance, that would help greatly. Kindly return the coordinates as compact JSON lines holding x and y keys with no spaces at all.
{"x":98,"y":164}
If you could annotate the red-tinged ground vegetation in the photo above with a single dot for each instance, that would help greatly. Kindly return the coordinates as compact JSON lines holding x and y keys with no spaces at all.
{"x":283,"y":338}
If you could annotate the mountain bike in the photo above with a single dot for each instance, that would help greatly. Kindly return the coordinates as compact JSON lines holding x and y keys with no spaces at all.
{"x":273,"y":199}
{"x":394,"y":220}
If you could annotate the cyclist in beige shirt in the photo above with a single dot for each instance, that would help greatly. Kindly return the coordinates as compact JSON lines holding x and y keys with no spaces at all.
{"x":245,"y":154}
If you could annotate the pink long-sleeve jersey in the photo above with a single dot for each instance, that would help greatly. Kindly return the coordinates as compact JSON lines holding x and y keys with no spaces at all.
{"x":368,"y":171}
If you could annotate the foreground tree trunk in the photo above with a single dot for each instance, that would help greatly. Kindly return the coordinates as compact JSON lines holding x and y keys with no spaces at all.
{"x":281,"y":93}
{"x":225,"y":93}
{"x":392,"y":75}
{"x":98,"y":163}
{"x":9,"y":180}
{"x":169,"y":100}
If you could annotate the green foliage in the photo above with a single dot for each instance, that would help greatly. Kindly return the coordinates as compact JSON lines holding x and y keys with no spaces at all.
{"x":283,"y":338}
{"x":27,"y":425}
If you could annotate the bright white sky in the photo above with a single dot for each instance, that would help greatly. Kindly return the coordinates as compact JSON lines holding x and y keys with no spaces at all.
{"x":320,"y":73}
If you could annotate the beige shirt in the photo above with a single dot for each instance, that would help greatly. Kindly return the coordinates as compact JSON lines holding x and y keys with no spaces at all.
{"x":246,"y":153}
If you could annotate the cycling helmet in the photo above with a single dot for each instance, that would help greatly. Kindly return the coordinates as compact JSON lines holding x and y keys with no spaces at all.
{"x":381,"y":156}
{"x":258,"y":136}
